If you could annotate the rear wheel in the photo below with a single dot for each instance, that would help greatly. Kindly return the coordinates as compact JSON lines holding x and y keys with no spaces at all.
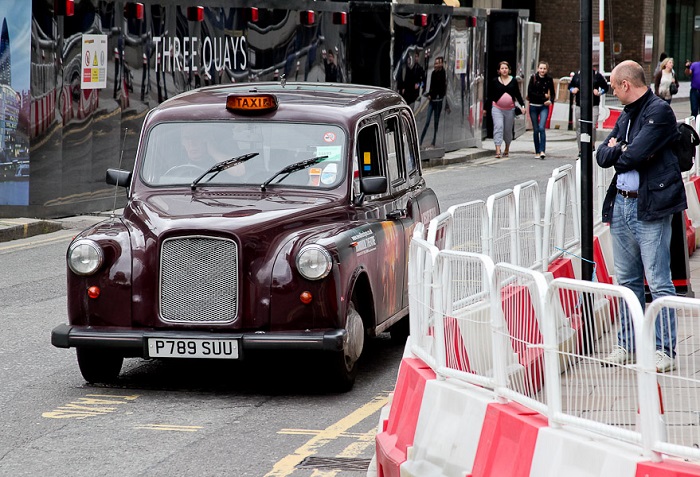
{"x":99,"y":366}
{"x":342,"y":366}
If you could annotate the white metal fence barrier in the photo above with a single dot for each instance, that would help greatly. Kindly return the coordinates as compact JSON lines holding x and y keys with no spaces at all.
{"x":543,"y":345}
{"x":484,"y":312}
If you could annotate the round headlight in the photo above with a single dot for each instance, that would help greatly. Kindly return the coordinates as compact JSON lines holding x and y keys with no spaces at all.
{"x":314,"y":262}
{"x":84,"y":257}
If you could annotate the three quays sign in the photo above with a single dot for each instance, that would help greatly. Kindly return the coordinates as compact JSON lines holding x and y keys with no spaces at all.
{"x":191,"y":54}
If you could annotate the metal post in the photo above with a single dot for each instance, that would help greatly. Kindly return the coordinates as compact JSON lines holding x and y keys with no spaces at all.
{"x":571,"y":105}
{"x":586,"y":136}
{"x":601,"y":35}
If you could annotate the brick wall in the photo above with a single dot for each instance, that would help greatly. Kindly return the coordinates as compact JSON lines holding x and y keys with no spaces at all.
{"x":560,"y":42}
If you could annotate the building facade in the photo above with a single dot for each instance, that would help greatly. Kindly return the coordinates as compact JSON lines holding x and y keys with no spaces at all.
{"x":638,"y":31}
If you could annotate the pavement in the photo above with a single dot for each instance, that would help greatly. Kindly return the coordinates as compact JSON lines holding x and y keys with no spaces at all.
{"x":558,"y":139}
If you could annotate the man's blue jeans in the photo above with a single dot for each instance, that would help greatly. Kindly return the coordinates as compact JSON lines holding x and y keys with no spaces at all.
{"x":694,"y":101}
{"x":642,"y":248}
{"x":433,"y":106}
{"x":538,"y":117}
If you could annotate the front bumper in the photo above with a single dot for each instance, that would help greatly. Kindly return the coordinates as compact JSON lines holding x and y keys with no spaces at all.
{"x":133,"y":343}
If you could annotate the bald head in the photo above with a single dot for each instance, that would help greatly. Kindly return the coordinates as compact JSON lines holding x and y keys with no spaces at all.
{"x":628,"y":81}
{"x":631,"y":71}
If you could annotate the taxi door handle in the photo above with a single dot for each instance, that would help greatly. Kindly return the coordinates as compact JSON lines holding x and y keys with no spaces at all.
{"x":396,"y":214}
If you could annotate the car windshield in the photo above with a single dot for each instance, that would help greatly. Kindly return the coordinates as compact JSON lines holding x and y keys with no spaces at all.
{"x":176,"y":154}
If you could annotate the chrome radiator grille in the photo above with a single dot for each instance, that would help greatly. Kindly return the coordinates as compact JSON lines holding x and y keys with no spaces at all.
{"x":198,"y":280}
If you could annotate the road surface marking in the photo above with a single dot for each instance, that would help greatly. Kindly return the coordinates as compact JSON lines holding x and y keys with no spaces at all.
{"x":168,"y":427}
{"x":89,"y":406}
{"x":287,"y":465}
{"x":354,"y":450}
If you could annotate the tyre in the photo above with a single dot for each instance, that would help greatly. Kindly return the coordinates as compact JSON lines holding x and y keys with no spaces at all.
{"x":99,"y":366}
{"x":342,"y":366}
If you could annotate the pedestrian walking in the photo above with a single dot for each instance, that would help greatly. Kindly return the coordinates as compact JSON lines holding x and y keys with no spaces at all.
{"x":436,"y":96}
{"x":645,"y":192}
{"x":665,"y":82}
{"x":503,"y":93}
{"x":540,"y":94}
{"x":600,"y":87}
{"x":693,"y":70}
{"x":413,"y":80}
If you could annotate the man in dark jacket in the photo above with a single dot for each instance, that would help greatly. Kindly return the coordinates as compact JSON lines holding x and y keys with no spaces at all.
{"x":645,"y":192}
{"x":413,"y":80}
{"x":332,"y":73}
{"x":600,"y":87}
{"x":436,"y":95}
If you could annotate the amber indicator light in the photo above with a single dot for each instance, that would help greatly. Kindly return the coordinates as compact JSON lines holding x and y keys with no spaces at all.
{"x":251,"y":103}
{"x":305,"y":297}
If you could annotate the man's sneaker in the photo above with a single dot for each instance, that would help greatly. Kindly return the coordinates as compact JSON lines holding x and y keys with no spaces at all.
{"x":664,"y":362}
{"x":619,"y":355}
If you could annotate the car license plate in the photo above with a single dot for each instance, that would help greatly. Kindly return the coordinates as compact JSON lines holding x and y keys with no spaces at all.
{"x":193,"y":348}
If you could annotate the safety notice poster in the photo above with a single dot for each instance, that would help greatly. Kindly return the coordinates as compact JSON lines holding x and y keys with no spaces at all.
{"x":461,"y":55}
{"x":94,"y":62}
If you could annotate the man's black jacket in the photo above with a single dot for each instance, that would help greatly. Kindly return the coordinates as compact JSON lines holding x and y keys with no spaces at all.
{"x":652,"y":128}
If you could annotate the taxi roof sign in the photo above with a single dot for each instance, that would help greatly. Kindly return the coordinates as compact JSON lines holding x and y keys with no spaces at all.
{"x":254,"y":103}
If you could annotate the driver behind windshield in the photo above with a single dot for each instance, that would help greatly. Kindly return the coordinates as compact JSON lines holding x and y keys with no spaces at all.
{"x":203,"y":147}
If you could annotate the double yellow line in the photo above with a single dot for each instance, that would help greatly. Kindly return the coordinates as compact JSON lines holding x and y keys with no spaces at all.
{"x":288,"y":464}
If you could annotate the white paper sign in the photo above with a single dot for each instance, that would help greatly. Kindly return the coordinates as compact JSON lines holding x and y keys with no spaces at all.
{"x":94,"y":62}
{"x":460,"y":55}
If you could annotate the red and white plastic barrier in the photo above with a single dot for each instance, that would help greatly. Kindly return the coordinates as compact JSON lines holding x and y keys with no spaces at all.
{"x":453,"y":428}
{"x":42,"y":113}
{"x":399,"y":429}
{"x":449,"y":429}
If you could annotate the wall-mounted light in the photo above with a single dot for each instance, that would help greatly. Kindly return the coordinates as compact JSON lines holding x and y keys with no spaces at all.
{"x":420,"y":19}
{"x":340,"y":18}
{"x":133,"y":10}
{"x":64,"y":7}
{"x":252,"y":14}
{"x":195,"y":14}
{"x":307,"y":17}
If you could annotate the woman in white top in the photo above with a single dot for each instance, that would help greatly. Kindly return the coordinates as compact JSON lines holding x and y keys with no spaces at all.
{"x":663,"y":80}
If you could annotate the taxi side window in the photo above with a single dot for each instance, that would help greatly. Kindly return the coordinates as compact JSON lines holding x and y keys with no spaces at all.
{"x":408,"y":139}
{"x":394,"y":159}
{"x":368,"y":151}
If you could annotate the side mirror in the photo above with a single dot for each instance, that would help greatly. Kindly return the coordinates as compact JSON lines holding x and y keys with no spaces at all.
{"x":373,"y":185}
{"x":118,"y":177}
{"x":370,"y":186}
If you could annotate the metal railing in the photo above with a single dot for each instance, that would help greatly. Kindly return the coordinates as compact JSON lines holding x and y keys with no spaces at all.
{"x":484,"y":313}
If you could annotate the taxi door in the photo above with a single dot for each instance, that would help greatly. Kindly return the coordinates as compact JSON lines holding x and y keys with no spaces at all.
{"x":379,"y":154}
{"x":404,"y":210}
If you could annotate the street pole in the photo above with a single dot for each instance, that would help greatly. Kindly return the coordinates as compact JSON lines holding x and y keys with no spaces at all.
{"x":601,"y":36}
{"x":586,"y":135}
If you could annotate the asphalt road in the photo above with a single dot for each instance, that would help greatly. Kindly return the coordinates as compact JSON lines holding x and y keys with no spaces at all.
{"x":479,"y":178}
{"x":267,"y":417}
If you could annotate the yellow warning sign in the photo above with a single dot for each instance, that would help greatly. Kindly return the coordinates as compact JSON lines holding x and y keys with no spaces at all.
{"x":94,"y":70}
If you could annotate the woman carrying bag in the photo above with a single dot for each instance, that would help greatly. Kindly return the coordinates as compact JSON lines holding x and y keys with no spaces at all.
{"x":504,"y":92}
{"x":665,"y":82}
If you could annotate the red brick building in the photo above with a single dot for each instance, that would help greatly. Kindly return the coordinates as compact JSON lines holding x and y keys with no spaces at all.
{"x":632,"y":30}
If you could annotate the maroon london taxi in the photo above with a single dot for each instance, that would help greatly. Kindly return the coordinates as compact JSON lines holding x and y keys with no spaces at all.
{"x":264,"y":216}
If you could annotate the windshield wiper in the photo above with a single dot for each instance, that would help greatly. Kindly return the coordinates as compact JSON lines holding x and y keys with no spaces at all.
{"x":297,"y":166}
{"x":222,"y":166}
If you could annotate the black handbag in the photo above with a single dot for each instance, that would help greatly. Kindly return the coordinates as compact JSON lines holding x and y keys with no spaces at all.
{"x":517,"y":111}
{"x":673,"y":88}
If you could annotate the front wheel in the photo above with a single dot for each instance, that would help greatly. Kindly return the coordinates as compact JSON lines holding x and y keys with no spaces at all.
{"x":342,"y":365}
{"x":99,"y":366}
